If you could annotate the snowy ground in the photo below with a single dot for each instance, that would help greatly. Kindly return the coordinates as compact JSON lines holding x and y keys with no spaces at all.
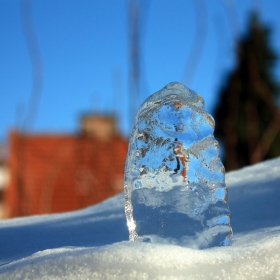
{"x":92,"y":243}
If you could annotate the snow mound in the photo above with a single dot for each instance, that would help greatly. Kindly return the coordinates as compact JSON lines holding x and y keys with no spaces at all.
{"x":92,"y":243}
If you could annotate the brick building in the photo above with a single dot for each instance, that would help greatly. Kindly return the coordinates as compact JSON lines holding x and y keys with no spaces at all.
{"x":57,"y":173}
{"x":4,"y":176}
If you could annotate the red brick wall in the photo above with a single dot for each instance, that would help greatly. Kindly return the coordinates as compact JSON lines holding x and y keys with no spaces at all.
{"x":52,"y":173}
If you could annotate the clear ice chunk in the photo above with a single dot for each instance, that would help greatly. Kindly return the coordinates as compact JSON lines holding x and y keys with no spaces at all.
{"x":175,"y":188}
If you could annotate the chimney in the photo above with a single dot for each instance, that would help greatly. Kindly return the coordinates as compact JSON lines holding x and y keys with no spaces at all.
{"x":99,"y":126}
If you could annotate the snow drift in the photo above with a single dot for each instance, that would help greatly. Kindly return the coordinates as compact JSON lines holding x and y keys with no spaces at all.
{"x":92,"y":243}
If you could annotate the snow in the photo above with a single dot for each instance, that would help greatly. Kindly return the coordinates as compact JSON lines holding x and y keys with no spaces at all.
{"x":93,"y":243}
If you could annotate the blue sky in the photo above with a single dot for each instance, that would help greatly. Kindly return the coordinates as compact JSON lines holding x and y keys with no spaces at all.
{"x":84,"y":50}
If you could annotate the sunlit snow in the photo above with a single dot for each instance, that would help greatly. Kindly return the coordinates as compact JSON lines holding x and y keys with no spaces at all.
{"x":93,"y":243}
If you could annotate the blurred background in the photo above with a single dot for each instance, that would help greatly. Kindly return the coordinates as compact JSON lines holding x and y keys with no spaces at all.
{"x":73,"y":73}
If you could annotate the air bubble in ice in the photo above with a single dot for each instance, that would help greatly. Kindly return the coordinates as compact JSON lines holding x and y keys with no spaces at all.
{"x":175,"y":188}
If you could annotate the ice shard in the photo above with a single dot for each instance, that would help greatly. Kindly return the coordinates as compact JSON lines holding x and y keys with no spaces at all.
{"x":175,"y":189}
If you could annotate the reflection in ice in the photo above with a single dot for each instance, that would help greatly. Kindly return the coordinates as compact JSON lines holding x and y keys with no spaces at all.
{"x":175,"y":189}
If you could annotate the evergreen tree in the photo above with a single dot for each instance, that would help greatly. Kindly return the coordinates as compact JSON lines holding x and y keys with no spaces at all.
{"x":247,"y":116}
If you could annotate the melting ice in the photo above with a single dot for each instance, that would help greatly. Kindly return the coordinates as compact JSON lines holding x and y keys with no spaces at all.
{"x":175,"y":188}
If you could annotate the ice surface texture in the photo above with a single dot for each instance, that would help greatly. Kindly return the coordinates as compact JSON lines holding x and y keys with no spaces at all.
{"x":175,"y":188}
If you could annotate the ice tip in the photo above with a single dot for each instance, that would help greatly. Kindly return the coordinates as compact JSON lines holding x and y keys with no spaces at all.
{"x":176,"y":88}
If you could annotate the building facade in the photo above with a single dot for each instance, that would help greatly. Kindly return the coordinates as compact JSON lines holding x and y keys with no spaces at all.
{"x":58,"y":173}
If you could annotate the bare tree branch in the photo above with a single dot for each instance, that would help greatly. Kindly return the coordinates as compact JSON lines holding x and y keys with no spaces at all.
{"x":36,"y":61}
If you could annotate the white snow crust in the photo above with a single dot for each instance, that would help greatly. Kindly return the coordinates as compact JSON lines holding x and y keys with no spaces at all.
{"x":93,"y":243}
